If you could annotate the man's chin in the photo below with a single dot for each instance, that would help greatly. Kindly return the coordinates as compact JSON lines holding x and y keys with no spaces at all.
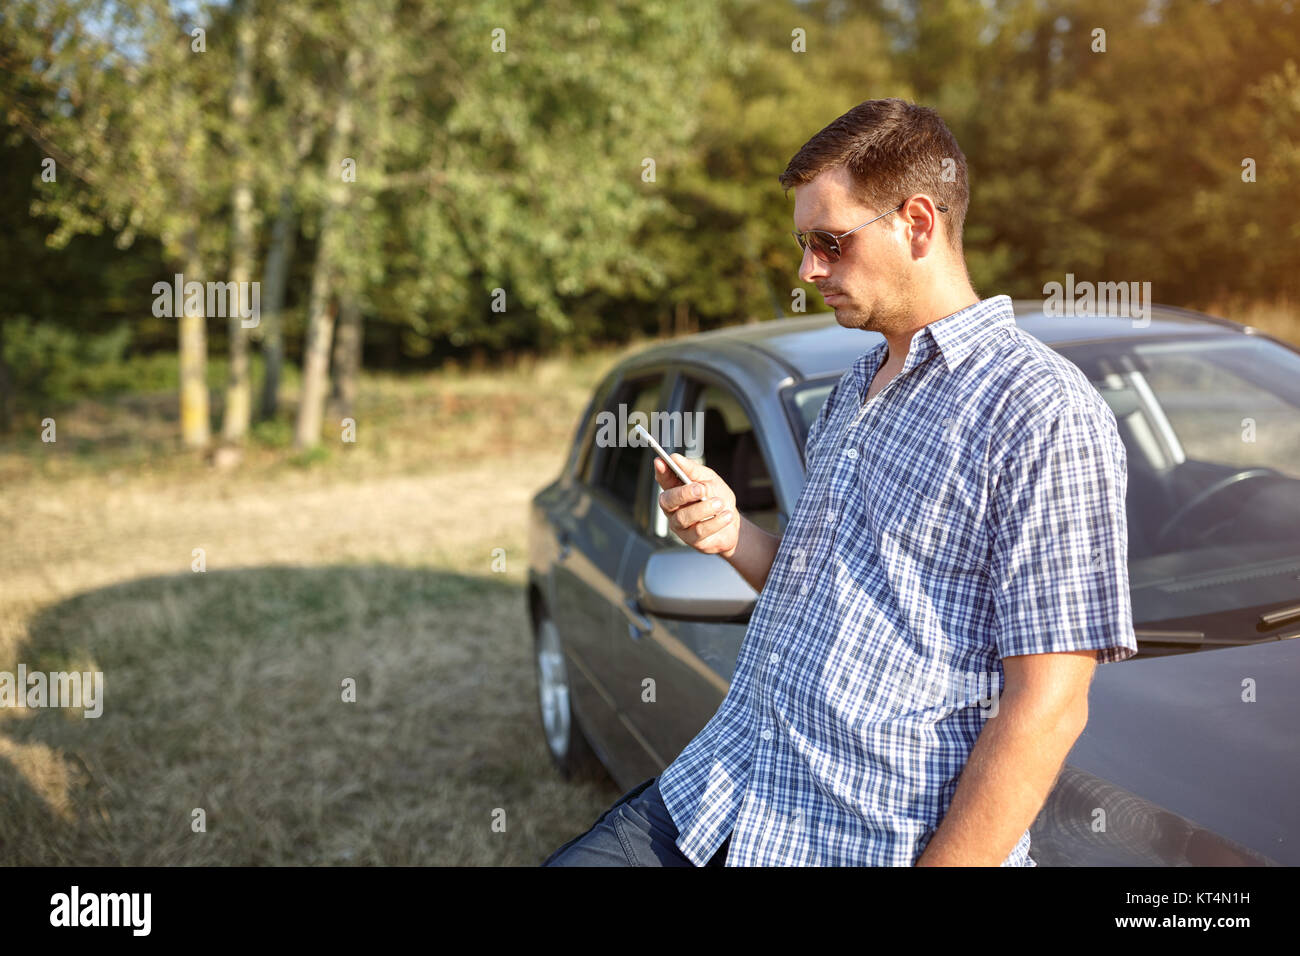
{"x":849,"y":317}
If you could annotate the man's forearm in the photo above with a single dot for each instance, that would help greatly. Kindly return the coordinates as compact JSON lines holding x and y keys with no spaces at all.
{"x":1012,"y":767}
{"x":754,"y":554}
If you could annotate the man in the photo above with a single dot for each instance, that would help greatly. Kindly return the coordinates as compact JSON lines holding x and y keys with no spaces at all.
{"x":917,"y":666}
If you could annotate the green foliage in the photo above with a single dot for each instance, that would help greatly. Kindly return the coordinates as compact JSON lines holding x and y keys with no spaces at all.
{"x":273,"y":433}
{"x":725,"y":243}
{"x":53,"y":365}
{"x":521,"y":169}
{"x":311,"y":457}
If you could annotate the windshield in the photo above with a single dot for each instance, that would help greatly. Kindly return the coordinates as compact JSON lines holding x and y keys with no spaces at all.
{"x":1212,"y":429}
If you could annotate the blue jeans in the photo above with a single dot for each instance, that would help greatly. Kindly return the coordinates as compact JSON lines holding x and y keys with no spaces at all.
{"x":636,"y":831}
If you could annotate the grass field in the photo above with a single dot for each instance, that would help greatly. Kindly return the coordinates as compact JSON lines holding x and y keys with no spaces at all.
{"x":222,"y":689}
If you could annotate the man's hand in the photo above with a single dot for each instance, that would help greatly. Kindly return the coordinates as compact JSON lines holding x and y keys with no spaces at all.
{"x":706,"y":518}
{"x":1015,"y":762}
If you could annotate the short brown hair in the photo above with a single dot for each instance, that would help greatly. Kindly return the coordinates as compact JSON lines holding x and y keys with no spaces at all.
{"x":893,"y":149}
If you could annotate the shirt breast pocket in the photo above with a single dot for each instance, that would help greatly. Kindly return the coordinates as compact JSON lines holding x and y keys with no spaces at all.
{"x":937,"y":528}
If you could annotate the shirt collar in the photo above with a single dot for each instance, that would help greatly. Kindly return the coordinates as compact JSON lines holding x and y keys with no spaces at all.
{"x":953,"y":336}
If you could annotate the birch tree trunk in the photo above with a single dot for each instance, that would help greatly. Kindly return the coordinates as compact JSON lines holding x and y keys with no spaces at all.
{"x":193,"y":348}
{"x":238,"y":388}
{"x":316,"y":347}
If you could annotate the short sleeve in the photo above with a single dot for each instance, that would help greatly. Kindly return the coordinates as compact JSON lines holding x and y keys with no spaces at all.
{"x":824,"y":413}
{"x":1058,"y":563}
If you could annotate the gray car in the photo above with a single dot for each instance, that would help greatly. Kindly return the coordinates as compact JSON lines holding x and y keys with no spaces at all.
{"x":1189,"y":756}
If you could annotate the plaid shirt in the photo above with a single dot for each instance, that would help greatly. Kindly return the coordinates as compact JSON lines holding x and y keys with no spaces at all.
{"x":972,"y":510}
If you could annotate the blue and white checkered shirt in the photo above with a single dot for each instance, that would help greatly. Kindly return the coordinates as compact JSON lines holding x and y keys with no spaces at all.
{"x":972,"y":510}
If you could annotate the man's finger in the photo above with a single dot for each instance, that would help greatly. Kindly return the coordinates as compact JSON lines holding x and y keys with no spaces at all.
{"x":712,"y":537}
{"x":681,"y":495}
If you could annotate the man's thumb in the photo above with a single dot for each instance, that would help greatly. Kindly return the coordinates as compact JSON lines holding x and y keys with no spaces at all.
{"x":691,"y":468}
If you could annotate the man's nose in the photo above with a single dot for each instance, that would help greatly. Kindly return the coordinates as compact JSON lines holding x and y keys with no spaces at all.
{"x":811,"y":267}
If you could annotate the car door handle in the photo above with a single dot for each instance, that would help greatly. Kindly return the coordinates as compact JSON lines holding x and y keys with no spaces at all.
{"x":638,"y":625}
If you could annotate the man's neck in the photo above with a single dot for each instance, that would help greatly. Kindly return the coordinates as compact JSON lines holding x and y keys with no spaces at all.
{"x":946,"y":303}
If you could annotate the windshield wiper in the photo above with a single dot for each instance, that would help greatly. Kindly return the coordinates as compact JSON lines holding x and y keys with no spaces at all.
{"x":1283,"y":615}
{"x":1183,"y":638}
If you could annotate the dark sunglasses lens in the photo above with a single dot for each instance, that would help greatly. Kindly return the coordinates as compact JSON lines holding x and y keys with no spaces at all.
{"x":822,"y":244}
{"x":824,"y":247}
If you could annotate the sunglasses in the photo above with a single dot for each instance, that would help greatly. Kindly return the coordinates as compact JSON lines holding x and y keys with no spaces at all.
{"x":826,"y":245}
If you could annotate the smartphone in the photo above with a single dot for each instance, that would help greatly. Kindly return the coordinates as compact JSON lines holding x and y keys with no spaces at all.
{"x":662,"y":454}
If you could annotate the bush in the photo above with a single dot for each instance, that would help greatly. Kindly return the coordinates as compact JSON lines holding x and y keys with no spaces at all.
{"x":275,"y":433}
{"x":53,"y":365}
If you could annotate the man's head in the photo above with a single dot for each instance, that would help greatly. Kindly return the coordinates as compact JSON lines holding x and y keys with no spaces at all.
{"x":878,"y":155}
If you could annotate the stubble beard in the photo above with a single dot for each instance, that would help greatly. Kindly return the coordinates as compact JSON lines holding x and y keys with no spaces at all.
{"x":887,"y":315}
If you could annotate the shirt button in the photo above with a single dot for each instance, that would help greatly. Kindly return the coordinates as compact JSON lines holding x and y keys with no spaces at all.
{"x":851,"y":452}
{"x":766,"y":735}
{"x":803,"y":589}
{"x":774,"y":658}
{"x":830,"y":516}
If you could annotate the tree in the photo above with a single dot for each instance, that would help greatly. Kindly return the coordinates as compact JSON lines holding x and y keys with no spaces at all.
{"x":321,"y":310}
{"x":242,"y":252}
{"x":126,"y":108}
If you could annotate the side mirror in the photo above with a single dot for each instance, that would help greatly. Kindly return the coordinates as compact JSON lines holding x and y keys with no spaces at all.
{"x":683,"y":583}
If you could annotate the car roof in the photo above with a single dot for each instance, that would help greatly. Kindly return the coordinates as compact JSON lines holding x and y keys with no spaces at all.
{"x":816,"y":345}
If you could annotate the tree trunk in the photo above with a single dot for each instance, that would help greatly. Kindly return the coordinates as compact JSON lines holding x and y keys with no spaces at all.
{"x":278,"y":258}
{"x":193,"y":342}
{"x":238,"y":389}
{"x":320,"y":321}
{"x":347,"y":355}
{"x":316,"y":348}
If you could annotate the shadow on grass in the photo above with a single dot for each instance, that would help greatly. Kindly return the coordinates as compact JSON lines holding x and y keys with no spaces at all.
{"x":223,"y":692}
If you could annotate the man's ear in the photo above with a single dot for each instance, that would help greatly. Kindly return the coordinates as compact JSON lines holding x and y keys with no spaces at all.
{"x":921,"y":215}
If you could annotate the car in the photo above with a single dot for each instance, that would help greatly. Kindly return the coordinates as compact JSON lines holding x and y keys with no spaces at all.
{"x":1189,"y":754}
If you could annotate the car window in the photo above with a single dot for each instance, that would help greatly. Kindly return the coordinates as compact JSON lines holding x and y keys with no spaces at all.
{"x":621,"y":466}
{"x":716,"y":431}
{"x":586,"y":460}
{"x":1211,"y":428}
{"x":1218,"y":400}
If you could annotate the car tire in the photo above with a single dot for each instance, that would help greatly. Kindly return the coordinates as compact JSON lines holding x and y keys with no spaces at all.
{"x":571,"y":753}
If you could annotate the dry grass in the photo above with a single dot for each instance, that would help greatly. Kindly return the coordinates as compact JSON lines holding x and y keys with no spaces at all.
{"x":222,"y":689}
{"x":1280,"y":319}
